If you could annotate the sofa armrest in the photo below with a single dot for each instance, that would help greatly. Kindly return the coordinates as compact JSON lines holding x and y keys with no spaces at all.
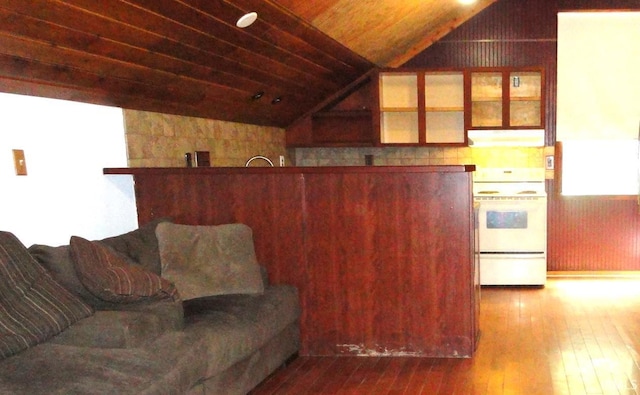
{"x":133,"y":326}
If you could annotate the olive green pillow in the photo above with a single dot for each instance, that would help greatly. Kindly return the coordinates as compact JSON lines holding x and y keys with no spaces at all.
{"x":209,"y":260}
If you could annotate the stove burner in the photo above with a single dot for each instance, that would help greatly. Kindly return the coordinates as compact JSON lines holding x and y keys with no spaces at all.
{"x":529,"y":192}
{"x":488,"y":192}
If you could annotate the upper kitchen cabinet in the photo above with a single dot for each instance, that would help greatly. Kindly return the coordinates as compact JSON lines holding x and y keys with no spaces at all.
{"x":505,"y":99}
{"x":399,"y":120}
{"x":421,"y":107}
{"x":444,"y":107}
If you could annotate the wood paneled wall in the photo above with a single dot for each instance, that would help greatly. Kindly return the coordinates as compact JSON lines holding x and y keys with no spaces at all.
{"x":383,"y":258}
{"x":594,"y":234}
{"x":589,"y":234}
{"x":509,"y":33}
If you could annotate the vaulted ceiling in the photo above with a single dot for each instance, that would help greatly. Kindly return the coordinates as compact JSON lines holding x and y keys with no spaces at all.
{"x":188,"y":57}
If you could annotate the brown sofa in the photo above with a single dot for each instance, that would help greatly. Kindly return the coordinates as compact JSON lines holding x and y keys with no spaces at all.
{"x":214,"y":344}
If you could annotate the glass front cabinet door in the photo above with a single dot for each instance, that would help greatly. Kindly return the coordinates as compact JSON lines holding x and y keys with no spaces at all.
{"x":399,"y":122}
{"x":506,"y":99}
{"x":438,"y":107}
{"x":422,"y":107}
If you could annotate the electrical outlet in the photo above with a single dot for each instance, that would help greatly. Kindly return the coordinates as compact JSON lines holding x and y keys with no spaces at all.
{"x":281,"y":160}
{"x":549,"y":162}
{"x":19,"y":162}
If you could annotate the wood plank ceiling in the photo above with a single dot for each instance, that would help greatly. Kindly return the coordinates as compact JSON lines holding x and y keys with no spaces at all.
{"x":187,"y":57}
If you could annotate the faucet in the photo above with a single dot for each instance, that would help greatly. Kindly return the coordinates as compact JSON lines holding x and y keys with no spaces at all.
{"x":258,"y":157}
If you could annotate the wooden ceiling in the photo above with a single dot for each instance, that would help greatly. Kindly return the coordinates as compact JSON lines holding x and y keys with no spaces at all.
{"x":386,"y":32}
{"x":187,"y":56}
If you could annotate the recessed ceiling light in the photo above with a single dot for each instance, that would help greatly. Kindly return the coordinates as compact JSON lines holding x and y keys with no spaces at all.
{"x":247,"y":19}
{"x":466,"y":1}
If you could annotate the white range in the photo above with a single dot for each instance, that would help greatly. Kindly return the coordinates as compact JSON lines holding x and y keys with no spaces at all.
{"x":512,"y":225}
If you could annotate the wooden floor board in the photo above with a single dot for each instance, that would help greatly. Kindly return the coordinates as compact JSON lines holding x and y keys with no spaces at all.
{"x":574,"y":336}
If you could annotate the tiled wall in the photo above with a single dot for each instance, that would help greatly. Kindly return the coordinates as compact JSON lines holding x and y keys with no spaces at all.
{"x":161,"y":140}
{"x":397,"y":156}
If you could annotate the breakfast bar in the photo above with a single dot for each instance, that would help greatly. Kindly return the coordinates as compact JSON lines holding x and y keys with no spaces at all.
{"x":383,"y":257}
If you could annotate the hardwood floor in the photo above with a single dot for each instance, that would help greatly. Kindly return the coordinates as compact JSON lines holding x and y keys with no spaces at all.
{"x":575,"y":336}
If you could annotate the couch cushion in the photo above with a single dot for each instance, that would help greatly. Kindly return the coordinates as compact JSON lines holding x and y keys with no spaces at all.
{"x":108,"y":276}
{"x":131,"y":326}
{"x":171,"y":364}
{"x":33,"y":307}
{"x":209,"y":260}
{"x":234,"y":326}
{"x":140,"y":245}
{"x":57,"y":260}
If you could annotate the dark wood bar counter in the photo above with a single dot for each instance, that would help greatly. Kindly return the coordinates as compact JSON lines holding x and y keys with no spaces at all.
{"x":383,"y":257}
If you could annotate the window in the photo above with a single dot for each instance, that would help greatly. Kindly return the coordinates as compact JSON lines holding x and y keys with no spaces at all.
{"x":598,"y":120}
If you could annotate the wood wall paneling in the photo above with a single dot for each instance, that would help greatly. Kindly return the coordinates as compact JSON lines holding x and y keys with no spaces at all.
{"x":593,"y":233}
{"x":269,"y":204}
{"x":373,"y":256}
{"x":598,"y":233}
{"x":382,"y":258}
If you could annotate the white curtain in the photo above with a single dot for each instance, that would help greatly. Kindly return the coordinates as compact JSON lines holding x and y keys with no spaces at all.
{"x":598,"y":105}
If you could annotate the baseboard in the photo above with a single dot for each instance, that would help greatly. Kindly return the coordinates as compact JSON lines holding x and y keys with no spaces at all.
{"x":595,"y":273}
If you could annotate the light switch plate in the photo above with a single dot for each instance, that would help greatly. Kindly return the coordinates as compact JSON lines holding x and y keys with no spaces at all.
{"x":19,"y":162}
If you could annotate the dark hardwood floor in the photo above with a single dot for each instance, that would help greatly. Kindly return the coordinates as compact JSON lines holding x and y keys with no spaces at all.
{"x":574,"y":336}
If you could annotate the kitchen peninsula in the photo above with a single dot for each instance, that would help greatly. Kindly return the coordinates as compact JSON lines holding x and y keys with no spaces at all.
{"x":383,"y":257}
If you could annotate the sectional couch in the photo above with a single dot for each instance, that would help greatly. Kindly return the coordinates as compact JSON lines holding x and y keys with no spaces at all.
{"x":164,"y":309}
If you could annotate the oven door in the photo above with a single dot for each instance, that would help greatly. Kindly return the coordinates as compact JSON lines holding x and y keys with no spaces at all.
{"x":509,"y":226}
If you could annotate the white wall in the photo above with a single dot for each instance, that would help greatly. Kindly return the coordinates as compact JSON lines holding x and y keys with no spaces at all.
{"x":66,"y":146}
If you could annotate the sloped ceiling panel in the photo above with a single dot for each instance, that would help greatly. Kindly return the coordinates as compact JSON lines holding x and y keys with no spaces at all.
{"x":183,"y":57}
{"x":386,"y":32}
{"x":187,"y":56}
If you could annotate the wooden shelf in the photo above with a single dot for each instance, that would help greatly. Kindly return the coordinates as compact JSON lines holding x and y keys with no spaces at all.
{"x":486,"y":99}
{"x":343,"y":114}
{"x":399,"y":109}
{"x":443,"y":109}
{"x":525,"y":98}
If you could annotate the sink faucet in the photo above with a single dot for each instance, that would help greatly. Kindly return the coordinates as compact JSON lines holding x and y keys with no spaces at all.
{"x":258,"y":157}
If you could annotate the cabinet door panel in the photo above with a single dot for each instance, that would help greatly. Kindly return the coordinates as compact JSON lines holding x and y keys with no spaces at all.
{"x":525,"y":113}
{"x":445,"y":127}
{"x":399,"y":91}
{"x":399,"y":127}
{"x":525,"y":93}
{"x":422,"y":107}
{"x":486,"y":99}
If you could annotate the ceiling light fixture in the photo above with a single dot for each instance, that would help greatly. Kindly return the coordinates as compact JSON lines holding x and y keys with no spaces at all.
{"x":276,"y":100}
{"x":247,"y":20}
{"x":466,"y":1}
{"x":258,"y":95}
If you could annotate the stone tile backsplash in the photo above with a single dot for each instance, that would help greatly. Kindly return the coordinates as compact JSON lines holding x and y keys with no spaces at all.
{"x":414,"y":156}
{"x":161,"y":140}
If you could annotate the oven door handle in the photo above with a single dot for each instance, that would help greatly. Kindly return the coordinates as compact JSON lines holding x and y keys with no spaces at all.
{"x":511,"y":252}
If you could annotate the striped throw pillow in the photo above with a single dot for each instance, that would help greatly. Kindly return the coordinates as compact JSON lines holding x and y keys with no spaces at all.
{"x":108,"y":276}
{"x":33,"y":306}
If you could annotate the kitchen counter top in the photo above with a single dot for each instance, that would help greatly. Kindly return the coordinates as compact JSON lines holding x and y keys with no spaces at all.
{"x":290,"y":170}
